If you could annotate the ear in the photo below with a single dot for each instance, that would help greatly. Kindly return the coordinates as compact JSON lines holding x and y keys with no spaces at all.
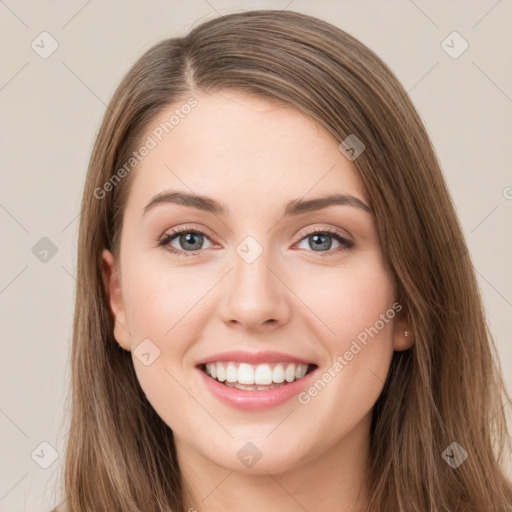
{"x":403,"y":337}
{"x":112,"y":286}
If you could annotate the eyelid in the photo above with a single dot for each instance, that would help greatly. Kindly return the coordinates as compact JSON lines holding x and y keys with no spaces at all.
{"x":189,"y":227}
{"x":325,"y":229}
{"x":174,"y":232}
{"x":302,"y":234}
{"x":329,"y":230}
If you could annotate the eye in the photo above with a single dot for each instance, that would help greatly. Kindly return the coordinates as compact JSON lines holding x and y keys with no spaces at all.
{"x":320,"y":239}
{"x":190,"y":239}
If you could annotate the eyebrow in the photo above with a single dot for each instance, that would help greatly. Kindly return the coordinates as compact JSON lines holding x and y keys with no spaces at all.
{"x":293,"y":207}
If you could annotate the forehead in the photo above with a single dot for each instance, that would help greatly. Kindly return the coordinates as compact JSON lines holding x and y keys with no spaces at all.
{"x":244,"y":151}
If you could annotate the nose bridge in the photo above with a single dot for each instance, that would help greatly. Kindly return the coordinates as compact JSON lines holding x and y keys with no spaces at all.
{"x":252,"y":263}
{"x":255,"y":293}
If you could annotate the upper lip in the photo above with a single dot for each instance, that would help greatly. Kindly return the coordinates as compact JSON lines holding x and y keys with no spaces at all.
{"x":253,"y":357}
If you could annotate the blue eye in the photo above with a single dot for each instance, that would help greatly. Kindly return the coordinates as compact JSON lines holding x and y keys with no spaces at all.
{"x":322,"y":239}
{"x":192,"y":239}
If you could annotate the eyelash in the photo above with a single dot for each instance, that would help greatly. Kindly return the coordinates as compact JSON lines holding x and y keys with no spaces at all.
{"x":168,"y":237}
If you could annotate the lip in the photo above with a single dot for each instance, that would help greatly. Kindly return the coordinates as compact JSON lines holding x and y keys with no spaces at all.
{"x":253,"y":358}
{"x":256,"y":400}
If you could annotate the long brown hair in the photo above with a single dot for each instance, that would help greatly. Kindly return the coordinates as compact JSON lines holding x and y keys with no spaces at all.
{"x":447,"y":388}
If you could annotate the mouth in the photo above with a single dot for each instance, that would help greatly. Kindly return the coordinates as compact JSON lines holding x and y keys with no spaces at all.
{"x":256,"y":377}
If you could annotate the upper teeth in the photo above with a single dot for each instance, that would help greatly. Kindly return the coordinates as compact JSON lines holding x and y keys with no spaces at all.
{"x":261,"y":374}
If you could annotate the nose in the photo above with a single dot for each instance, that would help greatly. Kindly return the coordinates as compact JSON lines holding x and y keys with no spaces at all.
{"x":255,"y":296}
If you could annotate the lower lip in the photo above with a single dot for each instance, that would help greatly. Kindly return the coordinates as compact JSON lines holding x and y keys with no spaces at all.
{"x":255,"y":400}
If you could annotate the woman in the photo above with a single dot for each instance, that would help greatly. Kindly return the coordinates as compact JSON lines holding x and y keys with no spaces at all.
{"x":321,"y":344}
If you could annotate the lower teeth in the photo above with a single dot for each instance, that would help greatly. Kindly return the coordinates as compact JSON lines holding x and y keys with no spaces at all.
{"x":252,"y":387}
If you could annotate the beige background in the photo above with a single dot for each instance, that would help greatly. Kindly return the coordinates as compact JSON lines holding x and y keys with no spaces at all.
{"x":51,"y":109}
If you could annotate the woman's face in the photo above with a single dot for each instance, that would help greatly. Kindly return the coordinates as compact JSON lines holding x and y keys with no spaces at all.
{"x":256,"y":287}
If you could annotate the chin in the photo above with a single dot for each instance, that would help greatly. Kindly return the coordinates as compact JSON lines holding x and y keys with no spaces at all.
{"x":259,"y":458}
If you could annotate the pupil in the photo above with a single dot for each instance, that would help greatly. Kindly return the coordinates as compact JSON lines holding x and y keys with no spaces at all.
{"x":189,"y":238}
{"x":321,"y":245}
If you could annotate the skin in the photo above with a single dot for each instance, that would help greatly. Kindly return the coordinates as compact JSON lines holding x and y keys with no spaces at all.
{"x":254,"y":156}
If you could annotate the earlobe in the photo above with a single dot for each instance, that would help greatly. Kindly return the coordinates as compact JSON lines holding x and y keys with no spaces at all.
{"x":404,"y":340}
{"x":403,"y":336}
{"x":113,"y":292}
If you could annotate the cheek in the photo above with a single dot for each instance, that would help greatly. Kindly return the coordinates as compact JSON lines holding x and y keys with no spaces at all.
{"x":162,"y":302}
{"x":163,"y":306}
{"x":333,"y":306}
{"x":357,"y":312}
{"x":349,"y":300}
{"x":339,"y":304}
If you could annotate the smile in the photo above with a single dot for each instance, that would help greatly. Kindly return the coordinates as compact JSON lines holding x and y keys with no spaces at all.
{"x":253,"y":377}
